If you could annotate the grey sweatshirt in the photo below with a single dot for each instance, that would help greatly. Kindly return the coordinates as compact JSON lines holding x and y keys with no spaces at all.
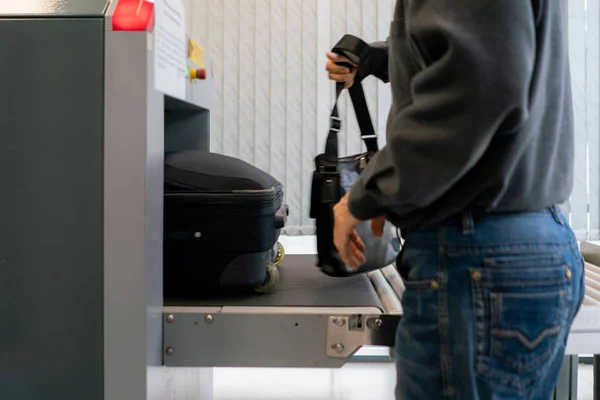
{"x":481,"y":114}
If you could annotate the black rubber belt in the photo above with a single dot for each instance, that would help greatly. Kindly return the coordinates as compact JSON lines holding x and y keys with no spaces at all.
{"x":301,"y":285}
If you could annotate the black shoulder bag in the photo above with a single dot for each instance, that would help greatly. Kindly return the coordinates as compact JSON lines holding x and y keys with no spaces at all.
{"x":334,"y":176}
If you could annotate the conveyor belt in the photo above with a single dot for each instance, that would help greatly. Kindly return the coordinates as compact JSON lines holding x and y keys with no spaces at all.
{"x":592,"y":282}
{"x":301,"y":285}
{"x":309,"y":320}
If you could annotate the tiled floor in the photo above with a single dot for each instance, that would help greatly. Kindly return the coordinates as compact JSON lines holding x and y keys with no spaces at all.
{"x":585,"y":383}
{"x":352,"y":382}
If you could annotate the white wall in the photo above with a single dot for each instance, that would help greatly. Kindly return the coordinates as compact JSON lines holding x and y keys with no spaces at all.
{"x":273,"y":97}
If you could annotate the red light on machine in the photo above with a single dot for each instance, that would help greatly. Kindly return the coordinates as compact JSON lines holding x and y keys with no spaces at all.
{"x":133,"y":15}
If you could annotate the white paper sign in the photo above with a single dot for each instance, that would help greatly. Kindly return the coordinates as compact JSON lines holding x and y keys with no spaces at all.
{"x":170,"y":48}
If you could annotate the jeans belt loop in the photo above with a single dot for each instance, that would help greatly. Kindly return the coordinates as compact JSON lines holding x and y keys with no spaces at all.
{"x":554,"y":210}
{"x":468,"y":222}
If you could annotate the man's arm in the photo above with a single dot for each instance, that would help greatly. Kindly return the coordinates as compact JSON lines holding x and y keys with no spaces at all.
{"x":479,"y":57}
{"x":377,"y":63}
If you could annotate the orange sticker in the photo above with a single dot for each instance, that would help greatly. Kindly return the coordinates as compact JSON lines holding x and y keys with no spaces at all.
{"x":196,"y":53}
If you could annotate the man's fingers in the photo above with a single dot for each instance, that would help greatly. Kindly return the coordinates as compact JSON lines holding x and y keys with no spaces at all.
{"x":357,"y":256}
{"x":356,"y":249}
{"x":351,"y":251}
{"x":354,"y":238}
{"x":341,"y":78}
{"x":353,"y":257}
{"x":344,"y":252}
{"x":337,"y":58}
{"x":337,"y":69}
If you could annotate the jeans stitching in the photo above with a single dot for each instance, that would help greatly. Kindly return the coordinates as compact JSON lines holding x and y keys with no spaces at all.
{"x":443,"y":319}
{"x":504,"y":248}
{"x":420,"y":286}
{"x":468,"y":224}
{"x":521,"y":261}
{"x":479,"y":325}
{"x":524,"y":340}
{"x":486,"y":345}
{"x":530,"y":283}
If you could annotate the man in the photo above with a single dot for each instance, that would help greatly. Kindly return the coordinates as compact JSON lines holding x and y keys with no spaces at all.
{"x":479,"y":152}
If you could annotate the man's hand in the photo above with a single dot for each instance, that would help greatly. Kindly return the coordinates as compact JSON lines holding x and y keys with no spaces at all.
{"x":338,"y":73}
{"x":346,"y":240}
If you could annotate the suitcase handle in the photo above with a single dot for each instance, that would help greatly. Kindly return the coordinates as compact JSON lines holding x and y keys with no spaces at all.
{"x":279,"y":222}
{"x":281,"y":216}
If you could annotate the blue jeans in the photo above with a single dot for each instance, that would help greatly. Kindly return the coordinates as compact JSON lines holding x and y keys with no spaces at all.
{"x":488,"y":306}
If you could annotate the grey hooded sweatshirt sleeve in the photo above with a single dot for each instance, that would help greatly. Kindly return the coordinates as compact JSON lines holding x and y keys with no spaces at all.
{"x":377,"y":64}
{"x":481,"y":112}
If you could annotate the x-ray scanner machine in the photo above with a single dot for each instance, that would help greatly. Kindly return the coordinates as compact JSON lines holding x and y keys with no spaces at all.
{"x":94,"y":92}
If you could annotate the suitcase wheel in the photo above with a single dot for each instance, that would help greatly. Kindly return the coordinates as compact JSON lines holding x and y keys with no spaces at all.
{"x":271,"y":281}
{"x":280,"y":254}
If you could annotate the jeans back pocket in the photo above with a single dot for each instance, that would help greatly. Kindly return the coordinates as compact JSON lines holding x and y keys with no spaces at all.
{"x":521,"y":306}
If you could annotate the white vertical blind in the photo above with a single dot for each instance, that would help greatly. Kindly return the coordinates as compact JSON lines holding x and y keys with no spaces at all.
{"x":273,"y":98}
{"x":310,"y":86}
{"x":592,"y":115}
{"x":584,"y":48}
{"x":272,"y":94}
{"x":577,"y":43}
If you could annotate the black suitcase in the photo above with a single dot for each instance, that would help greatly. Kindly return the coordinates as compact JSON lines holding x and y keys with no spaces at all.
{"x":222,"y":220}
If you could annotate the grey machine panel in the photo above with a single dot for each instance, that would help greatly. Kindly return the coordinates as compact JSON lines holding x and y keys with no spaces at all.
{"x":187,"y":123}
{"x":51,"y":268}
{"x":53,"y":8}
{"x":187,"y":126}
{"x":305,"y":322}
{"x":271,"y":337}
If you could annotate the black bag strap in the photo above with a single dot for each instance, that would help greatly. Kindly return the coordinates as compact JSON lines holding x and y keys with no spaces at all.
{"x":357,"y":51}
